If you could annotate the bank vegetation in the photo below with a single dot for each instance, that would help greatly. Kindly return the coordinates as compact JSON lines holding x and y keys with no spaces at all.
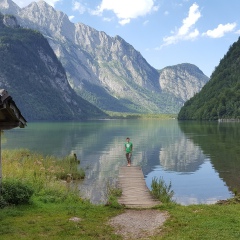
{"x":56,"y":211}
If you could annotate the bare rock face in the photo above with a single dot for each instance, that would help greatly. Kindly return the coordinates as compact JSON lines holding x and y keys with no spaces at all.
{"x":10,"y":21}
{"x":34,"y":76}
{"x":107,"y":71}
{"x":183,"y":80}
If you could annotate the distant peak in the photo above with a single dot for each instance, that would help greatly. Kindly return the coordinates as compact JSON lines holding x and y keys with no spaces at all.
{"x":41,"y":4}
{"x":8,"y":5}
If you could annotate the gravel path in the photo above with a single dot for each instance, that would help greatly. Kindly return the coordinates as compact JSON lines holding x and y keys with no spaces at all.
{"x":138,"y":224}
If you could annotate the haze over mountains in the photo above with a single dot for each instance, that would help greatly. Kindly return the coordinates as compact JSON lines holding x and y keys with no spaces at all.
{"x":107,"y":71}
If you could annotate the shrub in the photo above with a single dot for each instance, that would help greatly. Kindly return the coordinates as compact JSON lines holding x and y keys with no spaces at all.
{"x":15,"y":192}
{"x":43,"y":174}
{"x":161,"y":191}
{"x":3,"y":203}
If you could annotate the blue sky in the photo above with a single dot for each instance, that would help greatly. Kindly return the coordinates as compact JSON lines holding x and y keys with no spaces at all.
{"x":165,"y":32}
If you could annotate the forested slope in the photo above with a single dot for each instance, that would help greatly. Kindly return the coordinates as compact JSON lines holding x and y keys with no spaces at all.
{"x":220,"y":97}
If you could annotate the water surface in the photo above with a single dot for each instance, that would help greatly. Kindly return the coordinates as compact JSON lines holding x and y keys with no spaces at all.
{"x":201,"y":160}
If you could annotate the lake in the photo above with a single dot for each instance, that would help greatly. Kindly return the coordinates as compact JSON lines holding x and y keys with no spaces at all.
{"x":201,"y":160}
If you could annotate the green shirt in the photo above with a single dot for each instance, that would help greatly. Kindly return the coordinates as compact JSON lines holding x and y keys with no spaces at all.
{"x":128,"y":147}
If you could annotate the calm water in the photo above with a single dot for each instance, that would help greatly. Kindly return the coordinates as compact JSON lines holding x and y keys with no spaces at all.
{"x":201,"y":160}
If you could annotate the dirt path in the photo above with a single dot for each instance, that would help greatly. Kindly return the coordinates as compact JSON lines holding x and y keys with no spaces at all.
{"x":138,"y":224}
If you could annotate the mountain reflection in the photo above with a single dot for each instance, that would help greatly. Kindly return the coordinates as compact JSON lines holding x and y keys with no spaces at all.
{"x":176,"y":147}
{"x":181,"y":156}
{"x":219,"y":141}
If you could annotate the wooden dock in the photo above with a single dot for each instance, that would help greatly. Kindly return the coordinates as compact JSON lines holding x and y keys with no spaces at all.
{"x":135,"y":193}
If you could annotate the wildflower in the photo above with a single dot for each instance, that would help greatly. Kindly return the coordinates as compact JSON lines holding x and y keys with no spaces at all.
{"x":42,"y":169}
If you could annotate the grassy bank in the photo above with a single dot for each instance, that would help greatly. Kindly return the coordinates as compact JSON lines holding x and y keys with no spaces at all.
{"x":55,"y":203}
{"x":54,"y":207}
{"x":202,"y":222}
{"x":55,"y":221}
{"x":52,"y":221}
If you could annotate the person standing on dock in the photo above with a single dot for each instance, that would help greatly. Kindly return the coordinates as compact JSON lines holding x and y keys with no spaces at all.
{"x":128,"y":149}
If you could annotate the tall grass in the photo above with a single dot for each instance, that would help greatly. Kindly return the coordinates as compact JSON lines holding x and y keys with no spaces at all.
{"x":113,"y":192}
{"x":161,"y":190}
{"x":54,"y":205}
{"x":44,"y":174}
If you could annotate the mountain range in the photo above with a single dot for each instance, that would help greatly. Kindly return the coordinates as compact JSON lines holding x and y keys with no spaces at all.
{"x":35,"y":78}
{"x":107,"y":71}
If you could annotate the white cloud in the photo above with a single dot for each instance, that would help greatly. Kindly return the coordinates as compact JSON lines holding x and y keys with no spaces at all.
{"x":77,"y":6}
{"x":107,"y":19}
{"x":71,"y":18}
{"x":188,"y":22}
{"x":124,"y":21}
{"x":185,"y":32}
{"x":125,"y":10}
{"x":220,"y":30}
{"x":24,"y":3}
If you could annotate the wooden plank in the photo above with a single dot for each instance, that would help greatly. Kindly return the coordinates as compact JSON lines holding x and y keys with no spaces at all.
{"x":135,"y":193}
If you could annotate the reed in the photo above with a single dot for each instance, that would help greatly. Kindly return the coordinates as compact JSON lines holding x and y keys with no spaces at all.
{"x":162,"y":191}
{"x":43,"y":173}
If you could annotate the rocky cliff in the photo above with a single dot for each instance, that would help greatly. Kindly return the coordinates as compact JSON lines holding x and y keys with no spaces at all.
{"x":34,"y":77}
{"x":183,"y":80}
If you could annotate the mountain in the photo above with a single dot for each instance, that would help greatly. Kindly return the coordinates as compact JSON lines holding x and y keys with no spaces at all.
{"x":219,"y":98}
{"x":5,"y":5}
{"x":35,"y":78}
{"x":183,"y":80}
{"x":107,"y":71}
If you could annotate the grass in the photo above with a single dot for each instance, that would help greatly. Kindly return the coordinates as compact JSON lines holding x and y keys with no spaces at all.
{"x":53,"y":205}
{"x":52,"y":221}
{"x":201,"y":222}
{"x":25,"y":164}
{"x":113,"y":193}
{"x":43,"y":174}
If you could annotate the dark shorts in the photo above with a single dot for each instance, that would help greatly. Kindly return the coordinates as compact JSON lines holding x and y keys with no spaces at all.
{"x":128,"y":155}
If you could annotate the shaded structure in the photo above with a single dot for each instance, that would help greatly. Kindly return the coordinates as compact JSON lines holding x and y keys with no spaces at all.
{"x":10,"y":117}
{"x":135,"y":193}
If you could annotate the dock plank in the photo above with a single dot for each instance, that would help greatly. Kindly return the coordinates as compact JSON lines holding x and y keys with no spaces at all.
{"x":135,"y":193}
